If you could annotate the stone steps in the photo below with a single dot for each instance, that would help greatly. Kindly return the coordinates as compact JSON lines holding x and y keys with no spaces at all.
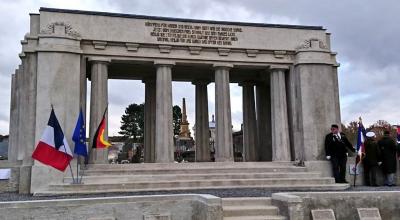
{"x":193,"y":176}
{"x":199,"y":183}
{"x":149,"y":177}
{"x":247,"y":208}
{"x":217,"y":170}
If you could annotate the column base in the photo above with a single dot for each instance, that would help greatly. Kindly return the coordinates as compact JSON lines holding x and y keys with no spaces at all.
{"x":98,"y":156}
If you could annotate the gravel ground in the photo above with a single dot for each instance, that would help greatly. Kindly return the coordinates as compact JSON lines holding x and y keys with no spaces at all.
{"x":248,"y":192}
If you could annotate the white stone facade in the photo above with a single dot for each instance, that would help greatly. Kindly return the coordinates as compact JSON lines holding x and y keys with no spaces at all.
{"x":288,"y":73}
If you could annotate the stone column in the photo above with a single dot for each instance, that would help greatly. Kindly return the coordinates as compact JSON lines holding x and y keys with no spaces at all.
{"x":202,"y":129}
{"x":149,"y":120}
{"x":264,"y":121}
{"x":224,"y":143}
{"x":279,"y":115}
{"x":12,"y":147}
{"x":98,"y":104}
{"x":249,"y":123}
{"x":164,"y":143}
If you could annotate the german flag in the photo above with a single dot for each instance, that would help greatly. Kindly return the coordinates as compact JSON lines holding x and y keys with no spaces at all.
{"x":98,"y":140}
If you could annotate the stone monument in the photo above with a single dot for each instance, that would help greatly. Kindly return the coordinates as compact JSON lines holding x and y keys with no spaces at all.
{"x":280,"y":67}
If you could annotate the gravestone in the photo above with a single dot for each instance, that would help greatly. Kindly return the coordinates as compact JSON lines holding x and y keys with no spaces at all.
{"x":369,"y":214}
{"x":323,"y":214}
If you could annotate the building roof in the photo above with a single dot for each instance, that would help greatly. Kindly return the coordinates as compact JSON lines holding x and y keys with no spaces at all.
{"x":109,"y":14}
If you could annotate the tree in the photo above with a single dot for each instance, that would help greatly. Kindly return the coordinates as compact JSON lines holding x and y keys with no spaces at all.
{"x":351,"y":131}
{"x":132,"y":122}
{"x":379,"y":127}
{"x":176,"y":117}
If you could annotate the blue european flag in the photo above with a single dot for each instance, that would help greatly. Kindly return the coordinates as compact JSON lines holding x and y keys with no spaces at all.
{"x":79,"y":136}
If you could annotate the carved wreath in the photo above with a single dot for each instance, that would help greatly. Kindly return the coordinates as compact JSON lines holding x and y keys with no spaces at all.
{"x":307,"y":44}
{"x":68,"y":29}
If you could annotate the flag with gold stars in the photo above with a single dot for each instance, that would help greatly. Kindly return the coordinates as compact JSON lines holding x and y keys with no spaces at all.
{"x":79,"y":136}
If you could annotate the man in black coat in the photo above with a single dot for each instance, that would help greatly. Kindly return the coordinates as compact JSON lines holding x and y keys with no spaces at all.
{"x":336,"y":146}
{"x":388,"y":148}
{"x":372,"y":159}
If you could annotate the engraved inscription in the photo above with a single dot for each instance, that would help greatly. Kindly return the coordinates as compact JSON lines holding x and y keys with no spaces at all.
{"x":369,"y":213}
{"x":193,"y":34}
{"x":322,"y":214}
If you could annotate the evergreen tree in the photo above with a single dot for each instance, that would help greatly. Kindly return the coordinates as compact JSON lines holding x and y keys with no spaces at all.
{"x":132,"y":122}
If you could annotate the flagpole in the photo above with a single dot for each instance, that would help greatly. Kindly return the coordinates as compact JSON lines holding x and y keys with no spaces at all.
{"x":355,"y":172}
{"x":65,"y":150}
{"x":77,"y":169}
{"x":355,"y":162}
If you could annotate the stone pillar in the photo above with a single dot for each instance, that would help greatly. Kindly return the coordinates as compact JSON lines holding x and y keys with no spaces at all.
{"x":22,"y":112}
{"x":98,"y":104}
{"x":315,"y":70}
{"x":202,"y":129}
{"x":12,"y":147}
{"x":164,"y":143}
{"x":279,"y":115}
{"x":263,"y":96}
{"x":224,"y":143}
{"x":58,"y":63}
{"x":149,"y":120}
{"x":249,"y":123}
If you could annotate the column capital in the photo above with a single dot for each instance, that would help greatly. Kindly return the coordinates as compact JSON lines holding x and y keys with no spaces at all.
{"x":99,"y":60}
{"x":201,"y":82}
{"x":223,"y":65}
{"x":279,"y":67}
{"x":164,"y":63}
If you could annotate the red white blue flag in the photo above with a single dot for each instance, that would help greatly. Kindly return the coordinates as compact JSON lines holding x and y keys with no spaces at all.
{"x":360,"y":142}
{"x":53,"y":148}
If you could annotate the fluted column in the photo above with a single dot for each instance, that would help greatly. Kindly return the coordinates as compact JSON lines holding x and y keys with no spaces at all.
{"x":202,"y":129}
{"x":164,"y":148}
{"x":149,"y":120}
{"x":224,"y":143}
{"x":98,"y":104}
{"x":279,"y":115}
{"x":249,"y":123}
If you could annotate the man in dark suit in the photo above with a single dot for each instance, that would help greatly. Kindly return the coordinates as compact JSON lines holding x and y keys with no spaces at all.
{"x":336,"y":147}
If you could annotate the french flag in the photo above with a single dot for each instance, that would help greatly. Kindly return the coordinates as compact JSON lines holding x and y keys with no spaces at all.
{"x":360,"y":142}
{"x":53,"y":148}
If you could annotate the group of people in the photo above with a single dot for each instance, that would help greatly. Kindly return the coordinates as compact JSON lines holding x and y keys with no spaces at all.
{"x":378,"y":154}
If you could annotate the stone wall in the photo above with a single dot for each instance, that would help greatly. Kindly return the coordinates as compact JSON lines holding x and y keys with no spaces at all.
{"x":10,"y":185}
{"x":344,"y":204}
{"x":167,"y":207}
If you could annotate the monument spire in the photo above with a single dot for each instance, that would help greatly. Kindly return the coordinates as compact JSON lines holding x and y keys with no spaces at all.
{"x":184,"y":116}
{"x":184,"y":127}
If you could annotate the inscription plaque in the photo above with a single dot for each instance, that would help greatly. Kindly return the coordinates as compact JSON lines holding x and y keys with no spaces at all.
{"x":369,"y":214}
{"x":157,"y":217}
{"x":323,"y":214}
{"x":193,"y":33}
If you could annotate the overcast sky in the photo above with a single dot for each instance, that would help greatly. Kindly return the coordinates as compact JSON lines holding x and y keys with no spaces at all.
{"x":364,"y":33}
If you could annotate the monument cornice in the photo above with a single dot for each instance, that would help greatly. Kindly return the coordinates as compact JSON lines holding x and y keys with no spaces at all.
{"x":146,"y":17}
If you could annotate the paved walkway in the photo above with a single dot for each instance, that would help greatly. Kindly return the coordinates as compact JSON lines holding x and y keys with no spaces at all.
{"x":223,"y":193}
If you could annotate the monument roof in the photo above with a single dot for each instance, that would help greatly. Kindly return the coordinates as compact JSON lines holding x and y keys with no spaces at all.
{"x":110,"y":14}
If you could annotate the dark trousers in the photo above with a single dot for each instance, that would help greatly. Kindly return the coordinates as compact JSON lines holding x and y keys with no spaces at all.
{"x":370,"y":174}
{"x":339,"y":168}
